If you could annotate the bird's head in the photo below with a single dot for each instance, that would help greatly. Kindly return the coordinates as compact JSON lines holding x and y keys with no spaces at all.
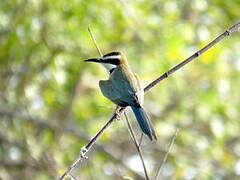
{"x":110,"y":60}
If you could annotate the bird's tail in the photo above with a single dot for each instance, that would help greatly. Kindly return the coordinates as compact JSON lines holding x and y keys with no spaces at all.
{"x":144,"y":122}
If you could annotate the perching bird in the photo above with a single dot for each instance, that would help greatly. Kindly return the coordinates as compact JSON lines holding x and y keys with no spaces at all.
{"x":124,"y":88}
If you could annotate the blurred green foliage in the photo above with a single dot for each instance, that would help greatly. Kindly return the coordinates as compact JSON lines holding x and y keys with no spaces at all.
{"x":50,"y":103}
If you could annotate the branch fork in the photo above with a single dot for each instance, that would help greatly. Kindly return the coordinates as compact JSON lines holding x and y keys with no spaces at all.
{"x":86,"y":148}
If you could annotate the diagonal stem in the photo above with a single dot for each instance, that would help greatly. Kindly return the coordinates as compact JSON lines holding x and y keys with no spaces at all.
{"x":166,"y":155}
{"x":235,"y":27}
{"x":140,"y":140}
{"x":95,"y":42}
{"x":137,"y":145}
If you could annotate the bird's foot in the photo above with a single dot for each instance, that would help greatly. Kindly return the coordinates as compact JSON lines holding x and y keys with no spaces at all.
{"x":118,"y":116}
{"x":116,"y":112}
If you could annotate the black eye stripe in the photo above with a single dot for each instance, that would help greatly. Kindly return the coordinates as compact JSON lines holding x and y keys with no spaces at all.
{"x":111,"y":70}
{"x":111,"y":54}
{"x":114,"y":61}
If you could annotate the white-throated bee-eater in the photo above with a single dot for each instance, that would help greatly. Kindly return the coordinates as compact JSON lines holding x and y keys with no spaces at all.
{"x":124,"y":88}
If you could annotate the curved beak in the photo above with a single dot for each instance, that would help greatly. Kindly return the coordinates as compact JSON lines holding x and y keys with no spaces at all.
{"x":97,"y":60}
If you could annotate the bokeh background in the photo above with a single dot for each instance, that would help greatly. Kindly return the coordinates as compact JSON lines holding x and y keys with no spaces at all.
{"x":51,"y":105}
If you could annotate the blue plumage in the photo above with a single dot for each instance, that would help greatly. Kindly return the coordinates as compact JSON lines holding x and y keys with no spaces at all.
{"x":144,"y":122}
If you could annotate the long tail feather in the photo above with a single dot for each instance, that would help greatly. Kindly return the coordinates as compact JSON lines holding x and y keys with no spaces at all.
{"x":144,"y":122}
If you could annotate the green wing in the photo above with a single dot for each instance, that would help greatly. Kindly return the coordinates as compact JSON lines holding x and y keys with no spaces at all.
{"x":110,"y":92}
{"x":122,"y":88}
{"x":125,"y":83}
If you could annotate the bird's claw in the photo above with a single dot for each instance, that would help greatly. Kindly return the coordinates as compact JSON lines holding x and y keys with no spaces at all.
{"x":117,"y":116}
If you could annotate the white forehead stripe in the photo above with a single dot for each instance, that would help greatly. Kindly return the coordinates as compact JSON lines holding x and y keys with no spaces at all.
{"x":112,"y":57}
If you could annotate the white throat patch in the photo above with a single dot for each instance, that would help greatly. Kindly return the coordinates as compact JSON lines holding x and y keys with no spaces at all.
{"x":109,"y":66}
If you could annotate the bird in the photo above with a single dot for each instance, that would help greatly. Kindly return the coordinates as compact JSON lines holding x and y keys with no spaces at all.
{"x":124,"y":88}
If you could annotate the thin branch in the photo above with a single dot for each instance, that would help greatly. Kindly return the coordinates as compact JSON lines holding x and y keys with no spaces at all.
{"x":140,"y":140}
{"x":166,"y":155}
{"x":72,"y":177}
{"x":95,"y":42}
{"x":234,"y":28}
{"x":137,"y":145}
{"x":51,"y":124}
{"x":86,"y":148}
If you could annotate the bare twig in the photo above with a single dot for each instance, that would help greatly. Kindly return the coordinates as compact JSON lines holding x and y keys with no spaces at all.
{"x":72,"y":177}
{"x":95,"y":42}
{"x":51,"y":124}
{"x":137,"y":145}
{"x":140,"y":140}
{"x":86,"y":148}
{"x":166,"y":155}
{"x":234,"y":28}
